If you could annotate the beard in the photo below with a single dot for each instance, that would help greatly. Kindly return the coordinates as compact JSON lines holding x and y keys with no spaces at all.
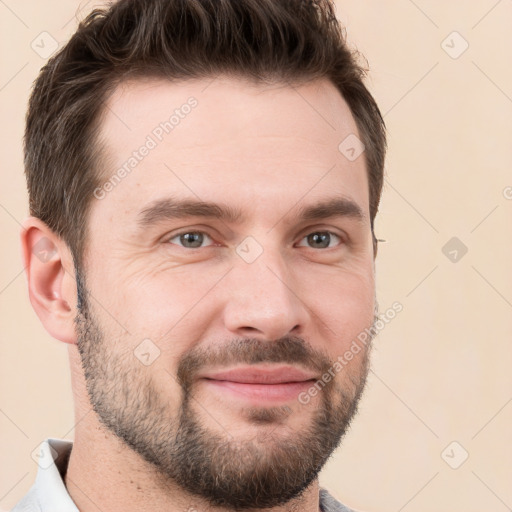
{"x":273,"y":467}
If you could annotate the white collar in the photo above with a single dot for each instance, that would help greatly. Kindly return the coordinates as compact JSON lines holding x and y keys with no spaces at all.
{"x":49,"y":493}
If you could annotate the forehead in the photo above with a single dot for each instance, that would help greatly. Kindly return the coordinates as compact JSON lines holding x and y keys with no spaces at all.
{"x":226,"y":139}
{"x":232,"y":100}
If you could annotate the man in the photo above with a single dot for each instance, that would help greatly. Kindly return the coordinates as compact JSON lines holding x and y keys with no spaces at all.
{"x":204,"y":177}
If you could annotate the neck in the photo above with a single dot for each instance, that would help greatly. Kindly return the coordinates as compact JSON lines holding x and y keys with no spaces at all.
{"x":104,"y":475}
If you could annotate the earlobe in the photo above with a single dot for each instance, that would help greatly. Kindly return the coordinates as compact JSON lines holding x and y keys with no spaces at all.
{"x":50,"y":276}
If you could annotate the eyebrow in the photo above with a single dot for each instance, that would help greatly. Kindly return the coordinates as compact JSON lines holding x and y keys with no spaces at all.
{"x":336,"y":207}
{"x":168,"y":209}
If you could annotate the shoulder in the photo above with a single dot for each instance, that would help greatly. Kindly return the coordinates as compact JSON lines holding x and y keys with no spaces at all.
{"x":330,"y":504}
{"x":29,"y":502}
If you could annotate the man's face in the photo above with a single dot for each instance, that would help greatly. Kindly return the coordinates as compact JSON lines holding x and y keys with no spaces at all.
{"x":277,"y":287}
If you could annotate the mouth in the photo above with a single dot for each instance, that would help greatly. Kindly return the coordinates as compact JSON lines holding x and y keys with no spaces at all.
{"x":261,"y":383}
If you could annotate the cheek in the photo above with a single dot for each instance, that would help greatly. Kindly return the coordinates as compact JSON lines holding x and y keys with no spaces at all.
{"x":166,"y":305}
{"x":343,"y":302}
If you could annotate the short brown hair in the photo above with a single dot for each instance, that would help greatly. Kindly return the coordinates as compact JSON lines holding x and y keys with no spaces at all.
{"x":289,"y":41}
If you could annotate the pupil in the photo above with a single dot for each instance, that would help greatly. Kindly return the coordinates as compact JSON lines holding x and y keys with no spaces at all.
{"x":320,"y":238}
{"x":192,"y":238}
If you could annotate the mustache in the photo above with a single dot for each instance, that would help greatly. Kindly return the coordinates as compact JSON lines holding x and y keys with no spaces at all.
{"x":289,"y":350}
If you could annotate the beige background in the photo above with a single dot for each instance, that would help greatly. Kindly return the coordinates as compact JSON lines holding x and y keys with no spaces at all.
{"x":442,"y":367}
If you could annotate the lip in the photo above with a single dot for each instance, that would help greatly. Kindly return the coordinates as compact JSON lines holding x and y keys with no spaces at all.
{"x":261,"y":384}
{"x":262,"y":375}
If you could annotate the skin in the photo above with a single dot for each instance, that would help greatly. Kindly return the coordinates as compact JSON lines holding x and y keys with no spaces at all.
{"x":266,"y":151}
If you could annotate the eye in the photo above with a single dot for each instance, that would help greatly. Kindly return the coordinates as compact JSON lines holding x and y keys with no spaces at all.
{"x":321,"y":239}
{"x":190,"y":239}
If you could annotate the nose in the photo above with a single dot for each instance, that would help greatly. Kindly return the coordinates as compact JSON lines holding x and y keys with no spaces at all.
{"x":264,"y":300}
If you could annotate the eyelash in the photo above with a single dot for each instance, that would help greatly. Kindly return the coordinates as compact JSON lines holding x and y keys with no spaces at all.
{"x":177,"y":235}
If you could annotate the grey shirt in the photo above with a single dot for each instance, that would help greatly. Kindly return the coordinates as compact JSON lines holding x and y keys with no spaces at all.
{"x":49,"y":493}
{"x":329,"y":504}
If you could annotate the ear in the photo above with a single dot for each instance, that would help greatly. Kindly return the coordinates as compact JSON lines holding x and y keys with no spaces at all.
{"x":51,"y":279}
